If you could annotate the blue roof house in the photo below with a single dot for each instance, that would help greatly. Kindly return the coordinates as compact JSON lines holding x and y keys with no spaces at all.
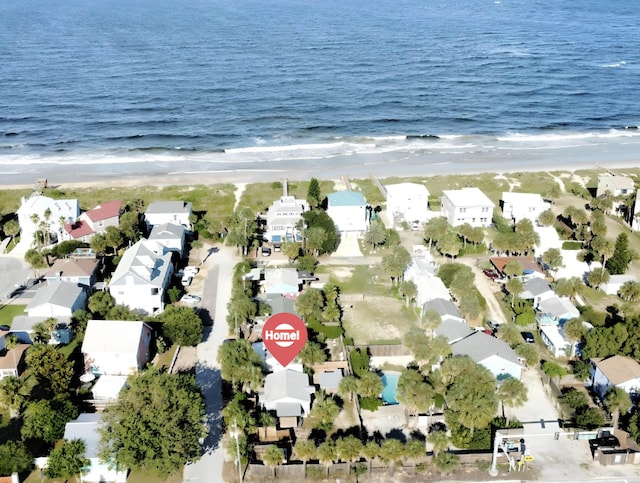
{"x":348,"y":210}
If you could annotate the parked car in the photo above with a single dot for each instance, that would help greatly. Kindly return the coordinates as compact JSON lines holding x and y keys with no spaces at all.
{"x":609,"y":441}
{"x":492,"y":274}
{"x":493,"y":326}
{"x":266,"y":251}
{"x":415,"y":225}
{"x":528,"y":337}
{"x":191,"y":299}
{"x":191,"y":270}
{"x":186,"y":280}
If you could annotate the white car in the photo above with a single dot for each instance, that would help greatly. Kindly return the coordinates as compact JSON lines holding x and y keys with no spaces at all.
{"x":186,"y":280}
{"x":191,"y":270}
{"x":189,"y":298}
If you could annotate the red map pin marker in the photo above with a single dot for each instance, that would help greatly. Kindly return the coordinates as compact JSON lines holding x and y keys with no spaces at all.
{"x":284,"y":335}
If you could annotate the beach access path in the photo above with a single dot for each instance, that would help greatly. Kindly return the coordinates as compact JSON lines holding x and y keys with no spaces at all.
{"x":215,"y":296}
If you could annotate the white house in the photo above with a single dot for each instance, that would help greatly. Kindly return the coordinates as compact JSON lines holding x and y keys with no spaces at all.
{"x":555,"y":340}
{"x":86,"y":428}
{"x":116,"y":347}
{"x":537,"y":289}
{"x":519,"y":206}
{"x":141,"y":279}
{"x":615,"y":185}
{"x":555,"y":311}
{"x":94,"y":221}
{"x":166,"y":238}
{"x":40,"y":211}
{"x":24,"y":326}
{"x":491,"y":353}
{"x":612,"y":287}
{"x":406,"y":202}
{"x":177,"y":212}
{"x":635,"y":220}
{"x":281,"y":281}
{"x":348,"y":210}
{"x":467,"y":205}
{"x":445,"y":308}
{"x":62,"y":298}
{"x":283,"y":217}
{"x":78,"y":271}
{"x":11,"y":361}
{"x":618,"y":371}
{"x":288,"y":393}
{"x":421,"y":271}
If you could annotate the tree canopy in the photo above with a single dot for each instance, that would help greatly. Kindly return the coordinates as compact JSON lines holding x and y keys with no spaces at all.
{"x":182,"y":325}
{"x":156,"y":424}
{"x":241,"y":365}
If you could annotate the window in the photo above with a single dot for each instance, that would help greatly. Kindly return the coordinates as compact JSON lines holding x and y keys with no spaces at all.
{"x":485,"y":209}
{"x":154,"y":291}
{"x":463,"y":210}
{"x":483,"y":220}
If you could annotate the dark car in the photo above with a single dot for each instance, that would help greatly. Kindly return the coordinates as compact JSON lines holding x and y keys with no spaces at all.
{"x":493,"y":326}
{"x":606,"y":442}
{"x":266,"y":251}
{"x":5,"y":327}
{"x":528,"y":337}
{"x":492,"y":274}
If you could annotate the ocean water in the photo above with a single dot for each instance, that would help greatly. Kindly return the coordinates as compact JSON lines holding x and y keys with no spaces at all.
{"x":110,"y":87}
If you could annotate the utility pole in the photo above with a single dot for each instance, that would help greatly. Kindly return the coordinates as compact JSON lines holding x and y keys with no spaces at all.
{"x":236,"y":435}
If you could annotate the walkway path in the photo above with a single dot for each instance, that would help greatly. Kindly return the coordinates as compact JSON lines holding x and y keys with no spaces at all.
{"x":488,"y":289}
{"x":216,"y":294}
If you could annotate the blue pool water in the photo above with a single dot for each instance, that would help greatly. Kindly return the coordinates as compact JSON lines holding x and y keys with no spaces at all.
{"x":390,"y":384}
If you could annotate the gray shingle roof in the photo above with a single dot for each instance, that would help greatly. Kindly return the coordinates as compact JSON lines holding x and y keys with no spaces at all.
{"x":63,"y":294}
{"x":169,"y":207}
{"x":167,"y":231}
{"x":287,"y":383}
{"x":480,"y":346}
{"x":143,"y":265}
{"x":443,"y":307}
{"x":453,"y":330}
{"x":24,"y":323}
{"x":535,"y":286}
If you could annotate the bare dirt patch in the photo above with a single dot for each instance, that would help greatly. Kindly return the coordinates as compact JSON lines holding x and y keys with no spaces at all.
{"x":375,"y":318}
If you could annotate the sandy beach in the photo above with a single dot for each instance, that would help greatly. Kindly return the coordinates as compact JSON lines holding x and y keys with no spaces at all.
{"x":381,"y":170}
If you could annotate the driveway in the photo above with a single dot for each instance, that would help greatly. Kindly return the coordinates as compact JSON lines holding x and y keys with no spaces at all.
{"x":489,"y":290}
{"x":13,"y":272}
{"x":562,"y":459}
{"x":215,"y":296}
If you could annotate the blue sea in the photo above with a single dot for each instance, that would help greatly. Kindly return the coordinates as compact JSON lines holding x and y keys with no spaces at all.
{"x":104,"y":88}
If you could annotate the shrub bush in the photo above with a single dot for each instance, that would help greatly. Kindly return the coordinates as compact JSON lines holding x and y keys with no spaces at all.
{"x":370,"y":403}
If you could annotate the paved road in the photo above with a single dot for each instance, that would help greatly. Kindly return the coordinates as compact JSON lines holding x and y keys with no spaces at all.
{"x":216,"y":294}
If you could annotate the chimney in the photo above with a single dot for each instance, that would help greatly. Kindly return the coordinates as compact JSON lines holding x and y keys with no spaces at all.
{"x":285,"y":190}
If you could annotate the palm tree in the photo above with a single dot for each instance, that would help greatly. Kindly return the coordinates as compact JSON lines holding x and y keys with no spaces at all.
{"x":630,"y":291}
{"x":305,"y":450}
{"x":414,"y":449}
{"x":327,"y":454}
{"x":371,"y":451}
{"x":349,"y":449}
{"x":515,"y":287}
{"x":11,"y":394}
{"x":512,"y":392}
{"x":439,"y":441}
{"x":408,"y":290}
{"x":616,"y":401}
{"x":272,"y":457}
{"x":348,"y":387}
{"x":432,"y":321}
{"x":391,"y":450}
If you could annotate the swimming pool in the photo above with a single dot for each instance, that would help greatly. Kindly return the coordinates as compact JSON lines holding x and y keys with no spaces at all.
{"x":390,"y":385}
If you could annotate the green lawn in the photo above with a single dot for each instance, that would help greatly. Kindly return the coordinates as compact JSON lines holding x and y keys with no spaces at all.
{"x":364,"y":279}
{"x":166,"y":357}
{"x":8,"y":312}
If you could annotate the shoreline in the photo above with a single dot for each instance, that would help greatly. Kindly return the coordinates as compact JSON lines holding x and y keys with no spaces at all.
{"x":244,"y":177}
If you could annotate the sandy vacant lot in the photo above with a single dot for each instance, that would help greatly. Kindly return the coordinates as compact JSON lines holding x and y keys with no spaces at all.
{"x":376,"y":318}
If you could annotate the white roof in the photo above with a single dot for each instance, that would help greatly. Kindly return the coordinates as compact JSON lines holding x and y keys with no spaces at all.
{"x":143,"y":265}
{"x":121,"y":336}
{"x":40,"y":204}
{"x":620,"y":279}
{"x":521,"y":198}
{"x":86,"y":429}
{"x":554,"y":334}
{"x":468,"y":197}
{"x":407,"y":190}
{"x":108,"y":387}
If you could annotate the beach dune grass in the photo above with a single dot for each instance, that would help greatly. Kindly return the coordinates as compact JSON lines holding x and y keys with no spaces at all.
{"x":259,"y":196}
{"x":217,"y":200}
